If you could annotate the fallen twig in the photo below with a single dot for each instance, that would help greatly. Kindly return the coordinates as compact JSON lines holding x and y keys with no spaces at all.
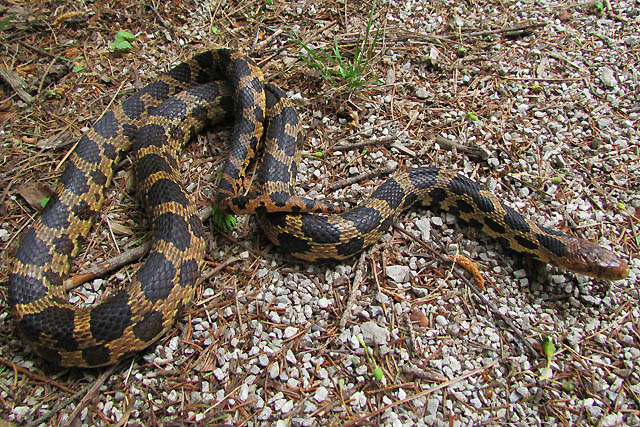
{"x":56,"y":410}
{"x":16,"y":83}
{"x":472,"y":151}
{"x":91,"y":393}
{"x":507,"y":30}
{"x":361,"y":177}
{"x":357,"y":281}
{"x":126,"y":257}
{"x":355,"y":145}
{"x":18,"y":368}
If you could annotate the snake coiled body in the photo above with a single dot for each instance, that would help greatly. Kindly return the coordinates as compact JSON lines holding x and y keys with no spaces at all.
{"x":162,"y":116}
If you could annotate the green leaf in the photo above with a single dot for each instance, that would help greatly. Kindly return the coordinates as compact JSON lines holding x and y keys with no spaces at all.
{"x":224,"y":221}
{"x":377,"y":373}
{"x":4,"y":22}
{"x":597,"y":7}
{"x":43,"y":202}
{"x":120,"y":41}
{"x":556,"y":179}
{"x":124,"y":35}
{"x":471,"y":116}
{"x":215,"y":30}
{"x":535,"y":88}
{"x":548,"y":348}
{"x":568,"y":386}
{"x":121,"y":45}
{"x":77,"y":68}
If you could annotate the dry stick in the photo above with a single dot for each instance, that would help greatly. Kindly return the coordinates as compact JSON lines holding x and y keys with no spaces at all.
{"x":472,"y":150}
{"x":453,"y":37}
{"x":40,"y":51}
{"x":98,"y":270}
{"x":566,"y":60}
{"x":126,"y":257}
{"x":500,"y":31}
{"x":16,"y":83}
{"x":18,"y":368}
{"x":357,"y":281}
{"x":412,"y":339}
{"x":209,"y":274}
{"x":95,"y":388}
{"x":477,"y":292}
{"x":421,"y":394}
{"x":361,"y":177}
{"x":375,"y":141}
{"x":60,"y":406}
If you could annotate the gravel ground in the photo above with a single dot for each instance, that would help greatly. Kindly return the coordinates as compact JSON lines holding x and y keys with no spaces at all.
{"x":555,"y":91}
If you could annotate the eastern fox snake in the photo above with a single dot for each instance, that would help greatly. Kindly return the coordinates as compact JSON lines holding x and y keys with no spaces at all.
{"x":155,"y":121}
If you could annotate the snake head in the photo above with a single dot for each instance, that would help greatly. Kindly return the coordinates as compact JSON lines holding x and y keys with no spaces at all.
{"x":595,"y":261}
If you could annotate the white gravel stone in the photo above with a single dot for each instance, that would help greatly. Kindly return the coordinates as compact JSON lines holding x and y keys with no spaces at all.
{"x":21,"y":411}
{"x":422,"y":93}
{"x":607,"y":76}
{"x":398,"y":273}
{"x":321,"y":394}
{"x":374,"y":334}
{"x":441,"y":320}
{"x":424,"y":225}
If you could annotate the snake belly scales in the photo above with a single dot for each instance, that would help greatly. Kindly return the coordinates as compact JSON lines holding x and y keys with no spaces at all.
{"x":154,"y":123}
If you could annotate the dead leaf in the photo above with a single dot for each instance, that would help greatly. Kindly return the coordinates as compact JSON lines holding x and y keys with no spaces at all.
{"x":418,"y":317}
{"x":564,"y":15}
{"x":36,"y":194}
{"x":5,"y":117}
{"x":72,"y":52}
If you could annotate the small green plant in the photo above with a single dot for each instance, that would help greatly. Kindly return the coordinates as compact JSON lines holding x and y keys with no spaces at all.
{"x":568,"y":386}
{"x":121,"y":41}
{"x":597,"y":8}
{"x":44,"y":201}
{"x":4,"y":22}
{"x":334,"y":66}
{"x":224,"y":221}
{"x":535,"y":88}
{"x":471,"y":116}
{"x":377,"y":370}
{"x":77,"y":68}
{"x":549,"y":350}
